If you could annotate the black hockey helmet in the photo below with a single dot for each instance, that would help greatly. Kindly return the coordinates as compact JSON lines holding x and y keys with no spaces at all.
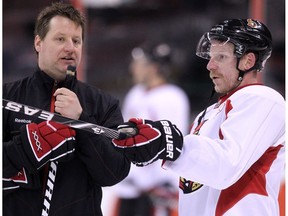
{"x":247,"y":35}
{"x":155,"y":52}
{"x":159,"y":54}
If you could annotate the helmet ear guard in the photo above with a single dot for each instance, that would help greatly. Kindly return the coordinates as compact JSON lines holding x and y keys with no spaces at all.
{"x":247,"y":35}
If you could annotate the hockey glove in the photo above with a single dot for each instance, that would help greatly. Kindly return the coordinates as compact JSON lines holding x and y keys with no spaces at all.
{"x":46,"y":142}
{"x":153,"y":140}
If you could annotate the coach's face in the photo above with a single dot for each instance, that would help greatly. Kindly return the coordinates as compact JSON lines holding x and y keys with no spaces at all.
{"x":222,"y":67}
{"x":62,"y":46}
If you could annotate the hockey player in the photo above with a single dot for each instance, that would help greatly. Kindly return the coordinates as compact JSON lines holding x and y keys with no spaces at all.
{"x":153,"y":97}
{"x":232,"y":161}
{"x":79,"y":164}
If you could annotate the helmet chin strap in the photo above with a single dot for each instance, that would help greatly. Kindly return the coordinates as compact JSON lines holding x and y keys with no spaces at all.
{"x":240,"y":75}
{"x":241,"y":72}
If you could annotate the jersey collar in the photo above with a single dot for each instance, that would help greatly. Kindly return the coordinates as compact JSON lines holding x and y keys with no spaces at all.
{"x":223,"y":98}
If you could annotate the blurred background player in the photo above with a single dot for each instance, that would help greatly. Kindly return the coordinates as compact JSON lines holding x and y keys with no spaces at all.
{"x":150,"y":191}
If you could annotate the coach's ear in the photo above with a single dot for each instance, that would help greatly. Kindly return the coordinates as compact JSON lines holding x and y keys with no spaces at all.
{"x":37,"y":43}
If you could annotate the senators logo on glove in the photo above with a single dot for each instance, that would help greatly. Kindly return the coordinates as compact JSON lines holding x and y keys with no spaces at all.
{"x":152,"y":141}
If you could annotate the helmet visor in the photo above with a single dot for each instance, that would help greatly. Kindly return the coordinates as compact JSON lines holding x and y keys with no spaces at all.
{"x":203,"y":49}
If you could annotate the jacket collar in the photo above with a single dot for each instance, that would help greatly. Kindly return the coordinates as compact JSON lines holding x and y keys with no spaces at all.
{"x":44,"y":79}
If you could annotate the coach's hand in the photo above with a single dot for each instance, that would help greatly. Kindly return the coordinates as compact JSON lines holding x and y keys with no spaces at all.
{"x":45,"y":142}
{"x":153,"y":140}
{"x":67,"y":103}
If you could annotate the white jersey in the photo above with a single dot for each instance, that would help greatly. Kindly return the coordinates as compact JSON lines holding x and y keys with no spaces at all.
{"x":234,"y":166}
{"x":163,"y":102}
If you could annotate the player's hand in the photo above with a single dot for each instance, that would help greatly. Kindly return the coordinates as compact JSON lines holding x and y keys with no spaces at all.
{"x":45,"y":142}
{"x":67,"y":103}
{"x":153,"y":140}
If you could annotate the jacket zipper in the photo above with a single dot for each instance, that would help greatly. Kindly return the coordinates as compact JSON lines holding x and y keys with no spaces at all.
{"x":52,"y":109}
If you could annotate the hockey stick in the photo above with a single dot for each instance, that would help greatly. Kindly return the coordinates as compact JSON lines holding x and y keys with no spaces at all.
{"x":77,"y":124}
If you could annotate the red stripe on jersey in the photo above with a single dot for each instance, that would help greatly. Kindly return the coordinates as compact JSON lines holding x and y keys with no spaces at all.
{"x":228,"y":107}
{"x":253,"y":181}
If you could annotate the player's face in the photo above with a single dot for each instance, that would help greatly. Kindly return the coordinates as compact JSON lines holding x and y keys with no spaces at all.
{"x":141,"y":71}
{"x":222,"y":66}
{"x":62,"y":46}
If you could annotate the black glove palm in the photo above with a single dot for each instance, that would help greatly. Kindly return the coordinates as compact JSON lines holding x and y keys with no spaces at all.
{"x":153,"y":140}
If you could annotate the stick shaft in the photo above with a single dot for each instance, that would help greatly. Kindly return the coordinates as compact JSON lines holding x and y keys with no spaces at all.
{"x":45,"y":115}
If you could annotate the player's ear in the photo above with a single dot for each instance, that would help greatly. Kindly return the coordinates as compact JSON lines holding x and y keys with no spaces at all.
{"x":248,"y":61}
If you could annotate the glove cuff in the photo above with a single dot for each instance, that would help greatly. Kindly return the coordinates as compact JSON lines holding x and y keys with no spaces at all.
{"x":32,"y":161}
{"x":16,"y":155}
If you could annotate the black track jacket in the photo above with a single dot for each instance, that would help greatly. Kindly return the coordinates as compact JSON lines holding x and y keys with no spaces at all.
{"x":77,"y":187}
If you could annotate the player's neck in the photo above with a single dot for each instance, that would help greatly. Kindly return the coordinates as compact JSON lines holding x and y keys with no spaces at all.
{"x":154,"y":83}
